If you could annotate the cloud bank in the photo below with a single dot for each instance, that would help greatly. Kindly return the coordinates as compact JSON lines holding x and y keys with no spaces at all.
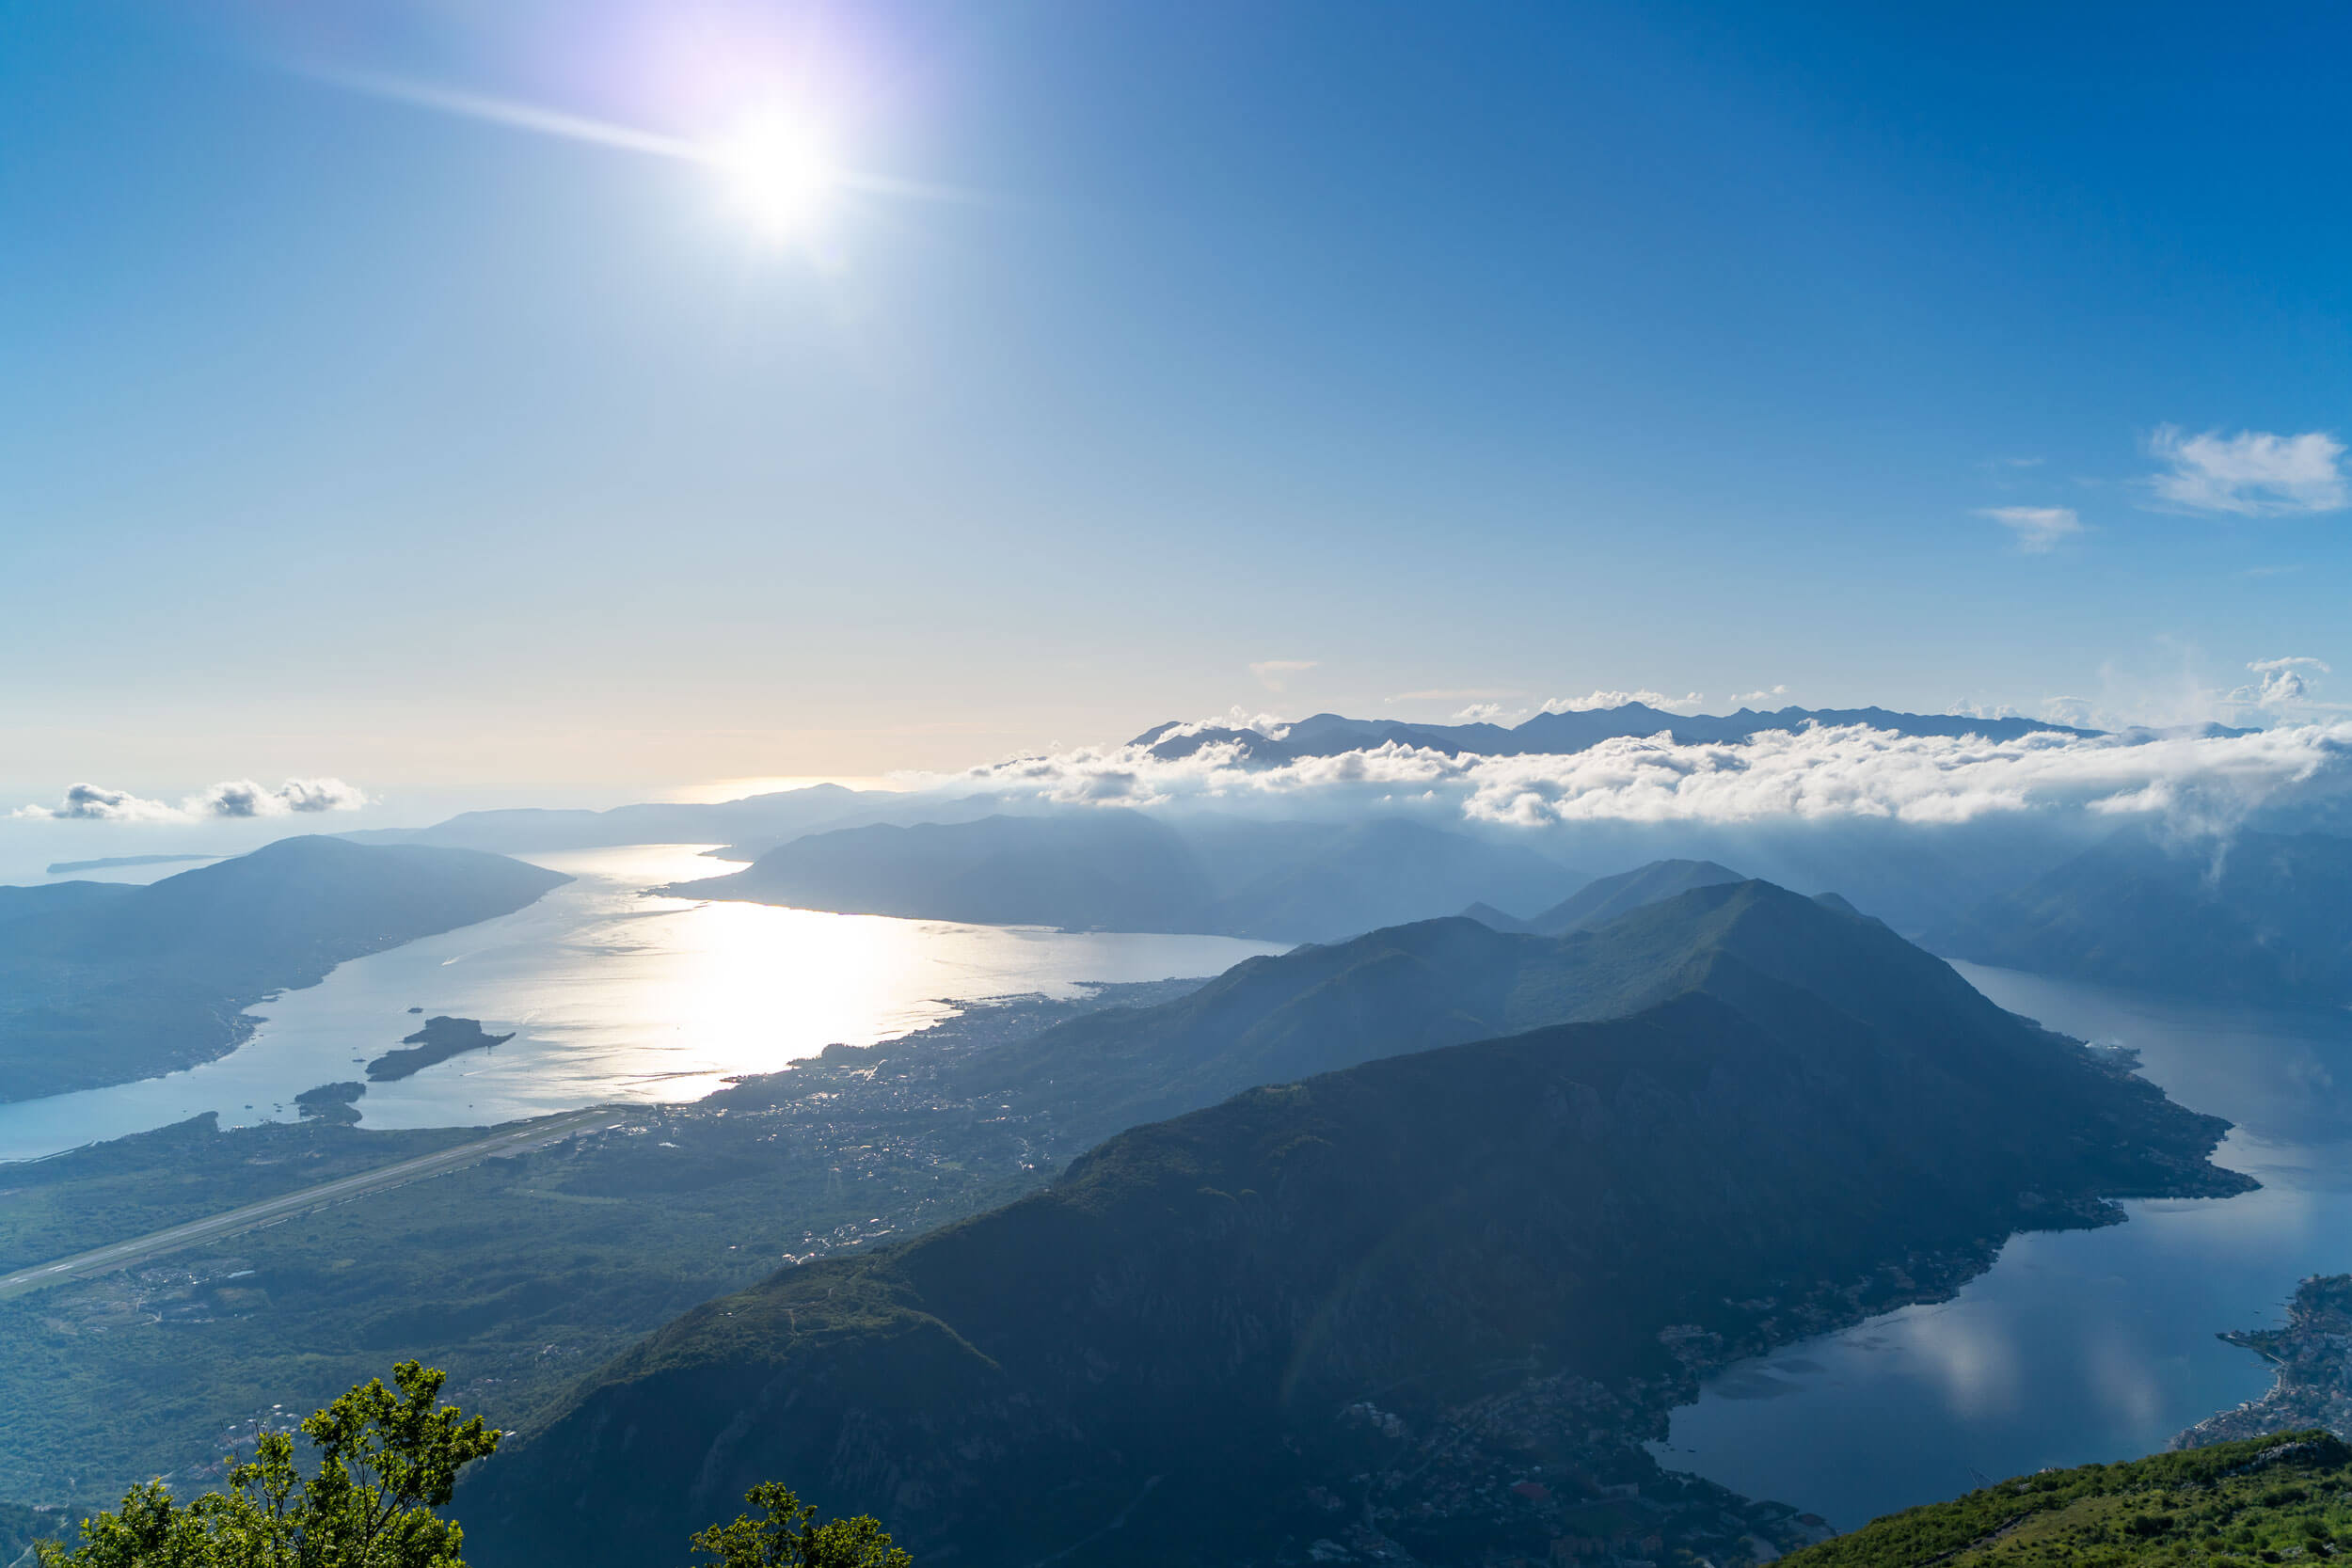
{"x":2284,"y":682}
{"x":231,"y":799}
{"x":2251,"y":474}
{"x":2191,"y":782}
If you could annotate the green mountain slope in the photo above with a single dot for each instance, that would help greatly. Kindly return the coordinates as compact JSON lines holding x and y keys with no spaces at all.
{"x":2266,"y":918}
{"x":1512,"y":1252}
{"x":101,"y":982}
{"x":2264,"y":1500}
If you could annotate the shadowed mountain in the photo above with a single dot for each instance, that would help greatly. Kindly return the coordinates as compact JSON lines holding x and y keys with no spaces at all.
{"x":1443,"y":982}
{"x":1354,"y":1291}
{"x":1126,"y":870}
{"x":1559,"y":733}
{"x":102,"y":982}
{"x":2264,"y":918}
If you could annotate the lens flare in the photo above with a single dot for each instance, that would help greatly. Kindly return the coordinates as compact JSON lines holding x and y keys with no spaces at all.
{"x":780,"y":176}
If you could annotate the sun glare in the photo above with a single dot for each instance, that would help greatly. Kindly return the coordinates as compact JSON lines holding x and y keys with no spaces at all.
{"x":779,"y":176}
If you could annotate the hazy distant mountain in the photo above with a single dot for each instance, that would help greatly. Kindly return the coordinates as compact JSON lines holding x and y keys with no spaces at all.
{"x":1600,"y":902}
{"x":1126,"y":870}
{"x":1115,"y":870}
{"x":111,"y":862}
{"x":1557,"y":734}
{"x":785,"y":814}
{"x":102,"y":982}
{"x":1352,"y":1292}
{"x":1329,"y":881}
{"x":2266,"y":918}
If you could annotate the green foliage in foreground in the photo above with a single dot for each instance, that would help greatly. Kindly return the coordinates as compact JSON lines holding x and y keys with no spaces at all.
{"x":2281,"y":1499}
{"x":788,"y":1536}
{"x":385,"y":1461}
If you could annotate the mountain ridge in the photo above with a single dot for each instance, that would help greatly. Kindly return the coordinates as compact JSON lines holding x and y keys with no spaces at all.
{"x":1561,"y":1220}
{"x":1326,"y":735}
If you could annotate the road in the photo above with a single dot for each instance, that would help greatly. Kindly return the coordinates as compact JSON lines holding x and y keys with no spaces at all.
{"x":140,"y":1249}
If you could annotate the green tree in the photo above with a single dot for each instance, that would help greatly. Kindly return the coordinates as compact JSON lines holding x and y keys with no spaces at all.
{"x":386,"y":1461}
{"x":788,"y":1536}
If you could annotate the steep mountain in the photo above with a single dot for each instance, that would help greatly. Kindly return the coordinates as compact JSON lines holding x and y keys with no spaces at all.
{"x":2261,"y":918}
{"x":1442,"y":982}
{"x":1598,"y":903}
{"x":2266,"y":1500}
{"x":1357,"y":1308}
{"x":104,"y":982}
{"x":771,"y":817}
{"x":1327,"y":734}
{"x":1127,"y":870}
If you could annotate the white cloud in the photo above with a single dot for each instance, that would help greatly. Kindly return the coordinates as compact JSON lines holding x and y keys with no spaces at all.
{"x":1688,"y":702}
{"x":233,"y":798}
{"x":2073,"y":712}
{"x":2192,"y":782}
{"x":2038,"y":528}
{"x":1751,"y":699}
{"x":1274,"y":674}
{"x":2253,"y":473}
{"x":2284,"y":682}
{"x":1478,"y":713}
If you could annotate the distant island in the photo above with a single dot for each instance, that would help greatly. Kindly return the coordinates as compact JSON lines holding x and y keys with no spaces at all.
{"x":331,"y":1103}
{"x":437,"y":1041}
{"x":61,"y":868}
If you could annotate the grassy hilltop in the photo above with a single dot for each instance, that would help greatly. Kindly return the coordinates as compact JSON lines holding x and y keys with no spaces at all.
{"x":2271,"y":1499}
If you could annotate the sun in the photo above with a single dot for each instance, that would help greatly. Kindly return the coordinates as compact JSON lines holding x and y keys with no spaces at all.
{"x":779,"y":175}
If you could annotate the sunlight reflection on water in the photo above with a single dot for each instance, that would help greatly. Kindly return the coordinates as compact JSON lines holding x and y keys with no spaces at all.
{"x":613,"y":996}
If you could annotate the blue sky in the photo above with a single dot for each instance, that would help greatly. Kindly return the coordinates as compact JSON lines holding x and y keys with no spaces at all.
{"x":1501,"y":353}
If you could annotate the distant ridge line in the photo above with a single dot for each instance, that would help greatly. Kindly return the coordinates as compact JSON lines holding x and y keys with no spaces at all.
{"x":1563,"y":734}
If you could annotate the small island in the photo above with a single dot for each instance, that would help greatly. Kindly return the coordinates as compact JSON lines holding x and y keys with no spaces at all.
{"x":437,"y":1041}
{"x":330,"y":1102}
